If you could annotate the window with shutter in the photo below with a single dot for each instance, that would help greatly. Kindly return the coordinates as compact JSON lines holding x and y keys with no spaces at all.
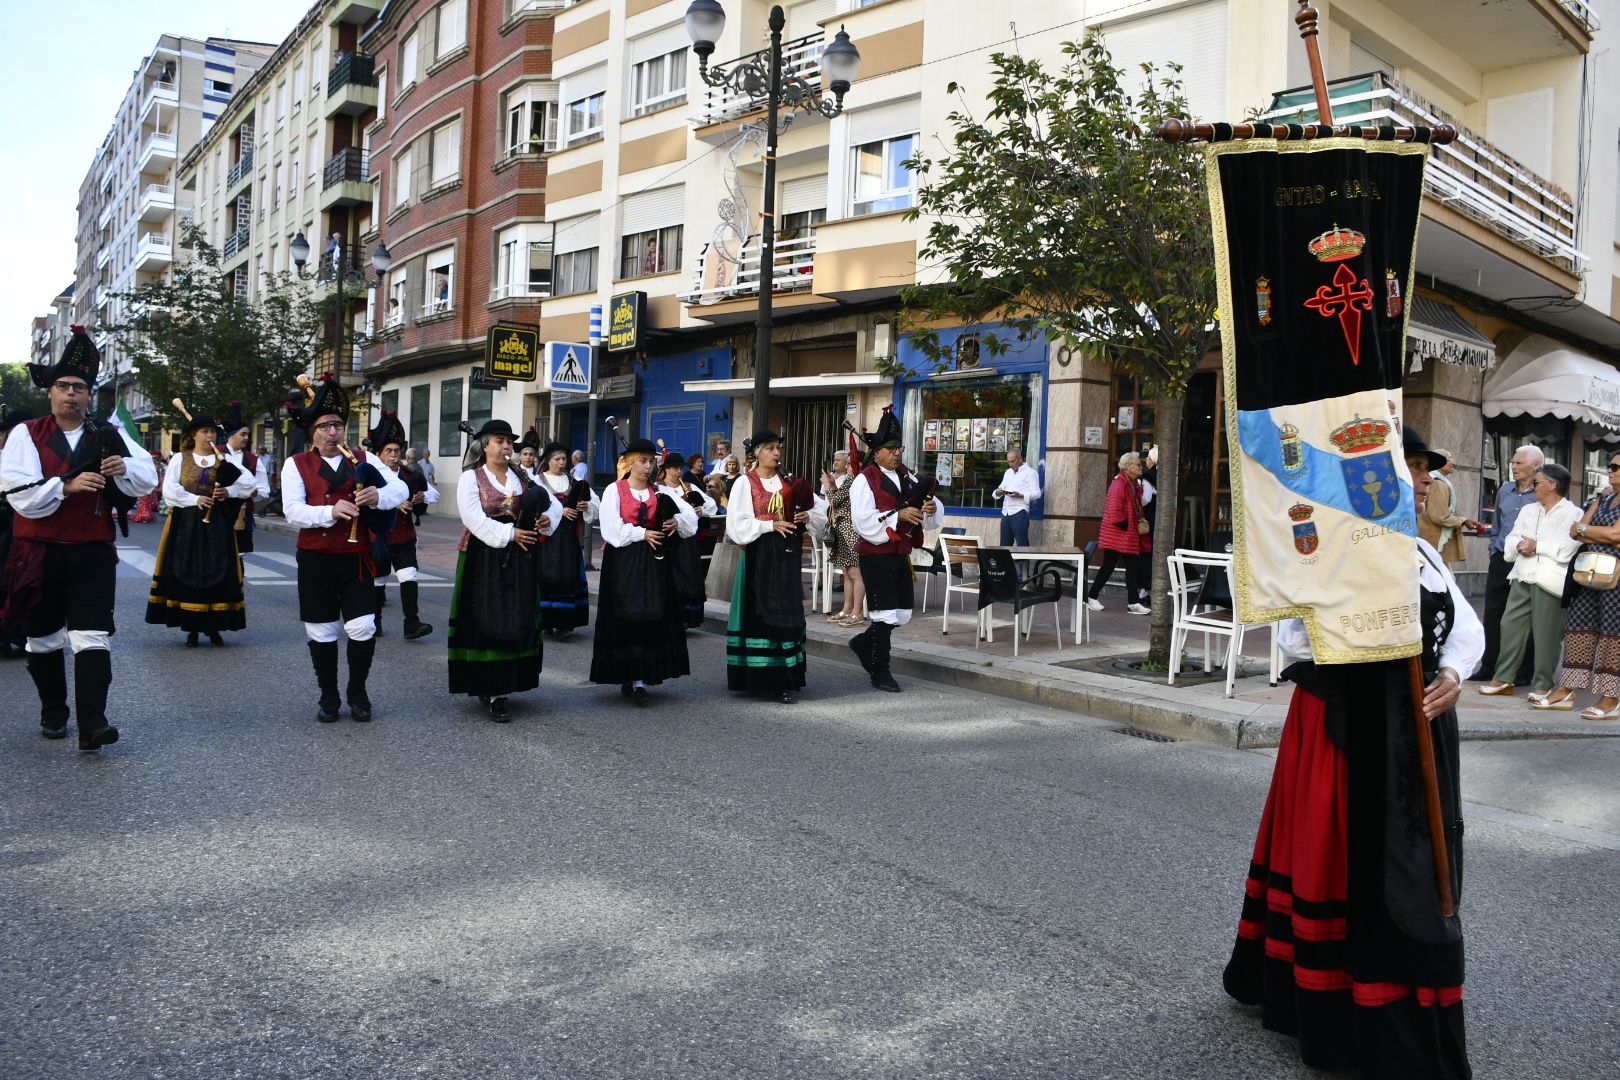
{"x":440,"y":269}
{"x":409,"y":53}
{"x":1194,"y":34}
{"x":452,"y":27}
{"x":403,"y":176}
{"x":446,"y":153}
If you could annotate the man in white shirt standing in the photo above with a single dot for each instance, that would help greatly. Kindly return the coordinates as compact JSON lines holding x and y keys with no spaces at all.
{"x":1020,"y":488}
{"x":580,"y":470}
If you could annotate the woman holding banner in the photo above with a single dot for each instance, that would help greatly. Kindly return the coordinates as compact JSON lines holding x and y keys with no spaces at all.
{"x":1342,"y":941}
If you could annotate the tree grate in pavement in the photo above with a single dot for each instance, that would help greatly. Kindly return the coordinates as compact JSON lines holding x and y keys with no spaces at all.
{"x":1138,"y":733}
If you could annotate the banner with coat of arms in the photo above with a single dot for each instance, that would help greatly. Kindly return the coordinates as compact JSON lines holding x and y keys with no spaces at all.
{"x":1314,"y":250}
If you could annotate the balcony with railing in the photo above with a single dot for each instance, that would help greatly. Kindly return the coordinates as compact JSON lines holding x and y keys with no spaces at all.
{"x":801,"y":58}
{"x":103,"y":296}
{"x":1470,"y":175}
{"x":354,"y":12}
{"x":351,"y":89}
{"x":240,"y":173}
{"x":345,"y":181}
{"x":158,"y":151}
{"x":157,"y":202}
{"x":1583,"y":12}
{"x":153,"y":251}
{"x":235,"y":248}
{"x":103,"y":256}
{"x":105,"y":217}
{"x":717,"y":280}
{"x":161,"y":92}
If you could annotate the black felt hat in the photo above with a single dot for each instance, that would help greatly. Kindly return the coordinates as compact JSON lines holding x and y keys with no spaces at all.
{"x":323,"y":398}
{"x":494,"y":427}
{"x":552,"y":448}
{"x":195,"y":421}
{"x":760,"y":438}
{"x":671,"y":458}
{"x":1412,"y":445}
{"x":232,"y":421}
{"x":388,"y":430}
{"x":640,"y":446}
{"x":530,"y":440}
{"x":80,"y":359}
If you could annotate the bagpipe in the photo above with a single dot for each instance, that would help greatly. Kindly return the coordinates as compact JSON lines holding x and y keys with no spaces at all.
{"x":415,"y":484}
{"x":798,"y":496}
{"x":922,"y":489}
{"x":223,"y":474}
{"x":524,"y":509}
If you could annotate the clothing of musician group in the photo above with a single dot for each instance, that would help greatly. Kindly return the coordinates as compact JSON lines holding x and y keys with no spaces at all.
{"x":60,"y":573}
{"x":495,"y":615}
{"x":640,"y":636}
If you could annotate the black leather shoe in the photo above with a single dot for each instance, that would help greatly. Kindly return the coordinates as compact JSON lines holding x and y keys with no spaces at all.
{"x":882,"y":680}
{"x":191,"y":641}
{"x":417,"y":630}
{"x":327,"y":710}
{"x":215,"y":638}
{"x":498,"y":711}
{"x":786,"y":697}
{"x":360,"y":711}
{"x":564,"y":635}
{"x":105,"y":735}
{"x":639,"y":695}
{"x":624,"y":688}
{"x":50,"y":731}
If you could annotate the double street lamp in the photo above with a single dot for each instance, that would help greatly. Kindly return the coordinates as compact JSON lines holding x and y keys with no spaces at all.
{"x":381,"y":260}
{"x":762,"y":75}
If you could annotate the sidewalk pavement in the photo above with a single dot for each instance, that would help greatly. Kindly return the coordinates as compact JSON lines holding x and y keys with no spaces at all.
{"x":1093,"y":678}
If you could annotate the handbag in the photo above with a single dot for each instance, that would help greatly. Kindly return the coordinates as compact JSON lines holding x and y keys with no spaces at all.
{"x":1596,"y":570}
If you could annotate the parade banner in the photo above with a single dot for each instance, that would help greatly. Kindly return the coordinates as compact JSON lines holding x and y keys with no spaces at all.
{"x":1314,"y":248}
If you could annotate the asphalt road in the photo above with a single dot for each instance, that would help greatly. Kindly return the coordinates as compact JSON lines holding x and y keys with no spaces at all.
{"x":931,"y":884}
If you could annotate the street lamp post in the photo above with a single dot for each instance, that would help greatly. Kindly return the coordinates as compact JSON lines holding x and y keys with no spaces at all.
{"x":381,"y":260}
{"x":754,"y":75}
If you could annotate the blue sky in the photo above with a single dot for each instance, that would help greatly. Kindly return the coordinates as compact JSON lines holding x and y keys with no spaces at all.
{"x":66,"y":66}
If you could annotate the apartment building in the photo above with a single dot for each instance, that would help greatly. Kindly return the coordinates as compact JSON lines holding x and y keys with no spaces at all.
{"x":464,"y":121}
{"x":48,"y":334}
{"x":129,"y":202}
{"x":1516,"y":261}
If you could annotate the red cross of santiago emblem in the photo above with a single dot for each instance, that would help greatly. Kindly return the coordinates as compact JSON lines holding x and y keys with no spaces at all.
{"x":1349,"y":295}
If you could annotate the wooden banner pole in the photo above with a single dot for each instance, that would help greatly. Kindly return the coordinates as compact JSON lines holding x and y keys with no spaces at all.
{"x":1306,"y":19}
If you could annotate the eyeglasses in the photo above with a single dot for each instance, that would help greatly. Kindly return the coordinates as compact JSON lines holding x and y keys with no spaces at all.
{"x":329,"y":424}
{"x":70,"y":387}
{"x":1614,"y":466}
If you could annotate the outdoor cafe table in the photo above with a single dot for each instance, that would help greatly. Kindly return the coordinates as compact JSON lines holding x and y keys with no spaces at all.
{"x":1071,"y":555}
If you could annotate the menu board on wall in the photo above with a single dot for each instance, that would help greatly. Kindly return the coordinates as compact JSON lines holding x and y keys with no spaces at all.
{"x":1015,"y":434}
{"x":931,"y":435}
{"x":998,"y":435}
{"x":947,"y":436}
{"x":942,"y":470}
{"x":964,"y":434}
{"x":981,"y":435}
{"x":958,"y":464}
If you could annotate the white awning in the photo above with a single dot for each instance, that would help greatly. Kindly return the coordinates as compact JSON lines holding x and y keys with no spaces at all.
{"x":1543,"y":377}
{"x":1435,"y":332}
{"x":792,"y":386}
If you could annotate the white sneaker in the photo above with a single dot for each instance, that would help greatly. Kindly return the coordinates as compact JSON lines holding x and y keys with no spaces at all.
{"x":1138,"y":609}
{"x":1094,"y":605}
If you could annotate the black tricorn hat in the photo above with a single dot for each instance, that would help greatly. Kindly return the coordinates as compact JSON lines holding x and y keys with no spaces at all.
{"x":1412,"y":445}
{"x":530,"y":440}
{"x":80,"y":359}
{"x":388,"y":430}
{"x":232,"y":421}
{"x":323,"y":398}
{"x":888,"y":431}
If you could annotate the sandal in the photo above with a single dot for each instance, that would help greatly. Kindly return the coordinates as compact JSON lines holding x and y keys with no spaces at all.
{"x":1547,"y":703}
{"x":1594,"y":713}
{"x":1497,"y":689}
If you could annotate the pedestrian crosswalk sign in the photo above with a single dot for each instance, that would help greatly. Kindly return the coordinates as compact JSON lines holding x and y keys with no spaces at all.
{"x":568,"y":366}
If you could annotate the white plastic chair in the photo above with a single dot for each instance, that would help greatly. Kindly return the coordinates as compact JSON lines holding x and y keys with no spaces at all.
{"x":818,"y":564}
{"x":1212,"y":622}
{"x":963,"y":551}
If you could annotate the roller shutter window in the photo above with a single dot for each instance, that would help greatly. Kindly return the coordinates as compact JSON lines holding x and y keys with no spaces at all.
{"x":446,"y":154}
{"x":651,"y":232}
{"x":803,"y":18}
{"x":882,"y":139}
{"x":577,"y":243}
{"x":658,"y":63}
{"x":804,"y":194}
{"x":1194,"y":36}
{"x":583,"y":96}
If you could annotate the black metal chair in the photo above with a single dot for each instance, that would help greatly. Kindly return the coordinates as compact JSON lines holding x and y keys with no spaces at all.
{"x":999,"y":583}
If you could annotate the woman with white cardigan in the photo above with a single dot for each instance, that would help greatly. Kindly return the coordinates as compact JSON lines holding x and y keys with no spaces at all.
{"x":1539,"y":548}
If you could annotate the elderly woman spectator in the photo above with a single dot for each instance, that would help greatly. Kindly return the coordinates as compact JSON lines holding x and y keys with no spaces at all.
{"x":841,"y":526}
{"x":715,"y":485}
{"x":1539,"y":546}
{"x":1592,"y":628}
{"x":1124,"y":538}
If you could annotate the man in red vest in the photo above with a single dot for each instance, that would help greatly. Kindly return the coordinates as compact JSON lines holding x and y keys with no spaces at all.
{"x":62,"y":571}
{"x":888,"y":530}
{"x":323,"y":494}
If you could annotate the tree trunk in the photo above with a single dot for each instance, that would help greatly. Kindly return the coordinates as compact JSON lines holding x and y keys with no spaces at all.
{"x":1167,"y":502}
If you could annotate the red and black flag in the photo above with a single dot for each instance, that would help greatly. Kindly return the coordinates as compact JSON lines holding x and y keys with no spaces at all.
{"x":1315,"y":246}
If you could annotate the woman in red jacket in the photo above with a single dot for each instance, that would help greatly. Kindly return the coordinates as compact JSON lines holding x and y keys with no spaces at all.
{"x":1124,"y":538}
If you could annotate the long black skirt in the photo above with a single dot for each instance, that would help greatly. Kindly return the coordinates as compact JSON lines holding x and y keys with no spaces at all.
{"x":765,"y":630}
{"x":623,"y":650}
{"x":197,"y":581}
{"x":563,"y":606}
{"x":495,"y":644}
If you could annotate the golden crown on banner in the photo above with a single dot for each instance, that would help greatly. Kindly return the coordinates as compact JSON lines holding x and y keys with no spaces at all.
{"x":1337,"y":245}
{"x":1360,"y":435}
{"x":1301,"y":512}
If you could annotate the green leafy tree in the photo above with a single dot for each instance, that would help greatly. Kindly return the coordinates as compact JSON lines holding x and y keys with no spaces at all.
{"x":1058,"y":215}
{"x":17,"y":390}
{"x":194,"y":339}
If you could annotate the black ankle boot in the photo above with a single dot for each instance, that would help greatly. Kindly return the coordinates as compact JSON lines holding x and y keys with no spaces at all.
{"x":360,"y":654}
{"x":92,"y":678}
{"x":414,"y":626}
{"x":191,"y":640}
{"x":881,"y":678}
{"x":324,"y":655}
{"x":861,"y":646}
{"x":49,"y":671}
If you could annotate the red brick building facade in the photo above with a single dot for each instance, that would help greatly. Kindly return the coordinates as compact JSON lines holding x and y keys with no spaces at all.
{"x":457,"y":145}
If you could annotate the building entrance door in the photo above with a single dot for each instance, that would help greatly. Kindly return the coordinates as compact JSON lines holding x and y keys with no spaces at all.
{"x":813,"y":435}
{"x":680,"y":426}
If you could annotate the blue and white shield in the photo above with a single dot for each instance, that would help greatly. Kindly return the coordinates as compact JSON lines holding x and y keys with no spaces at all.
{"x":1371,"y":485}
